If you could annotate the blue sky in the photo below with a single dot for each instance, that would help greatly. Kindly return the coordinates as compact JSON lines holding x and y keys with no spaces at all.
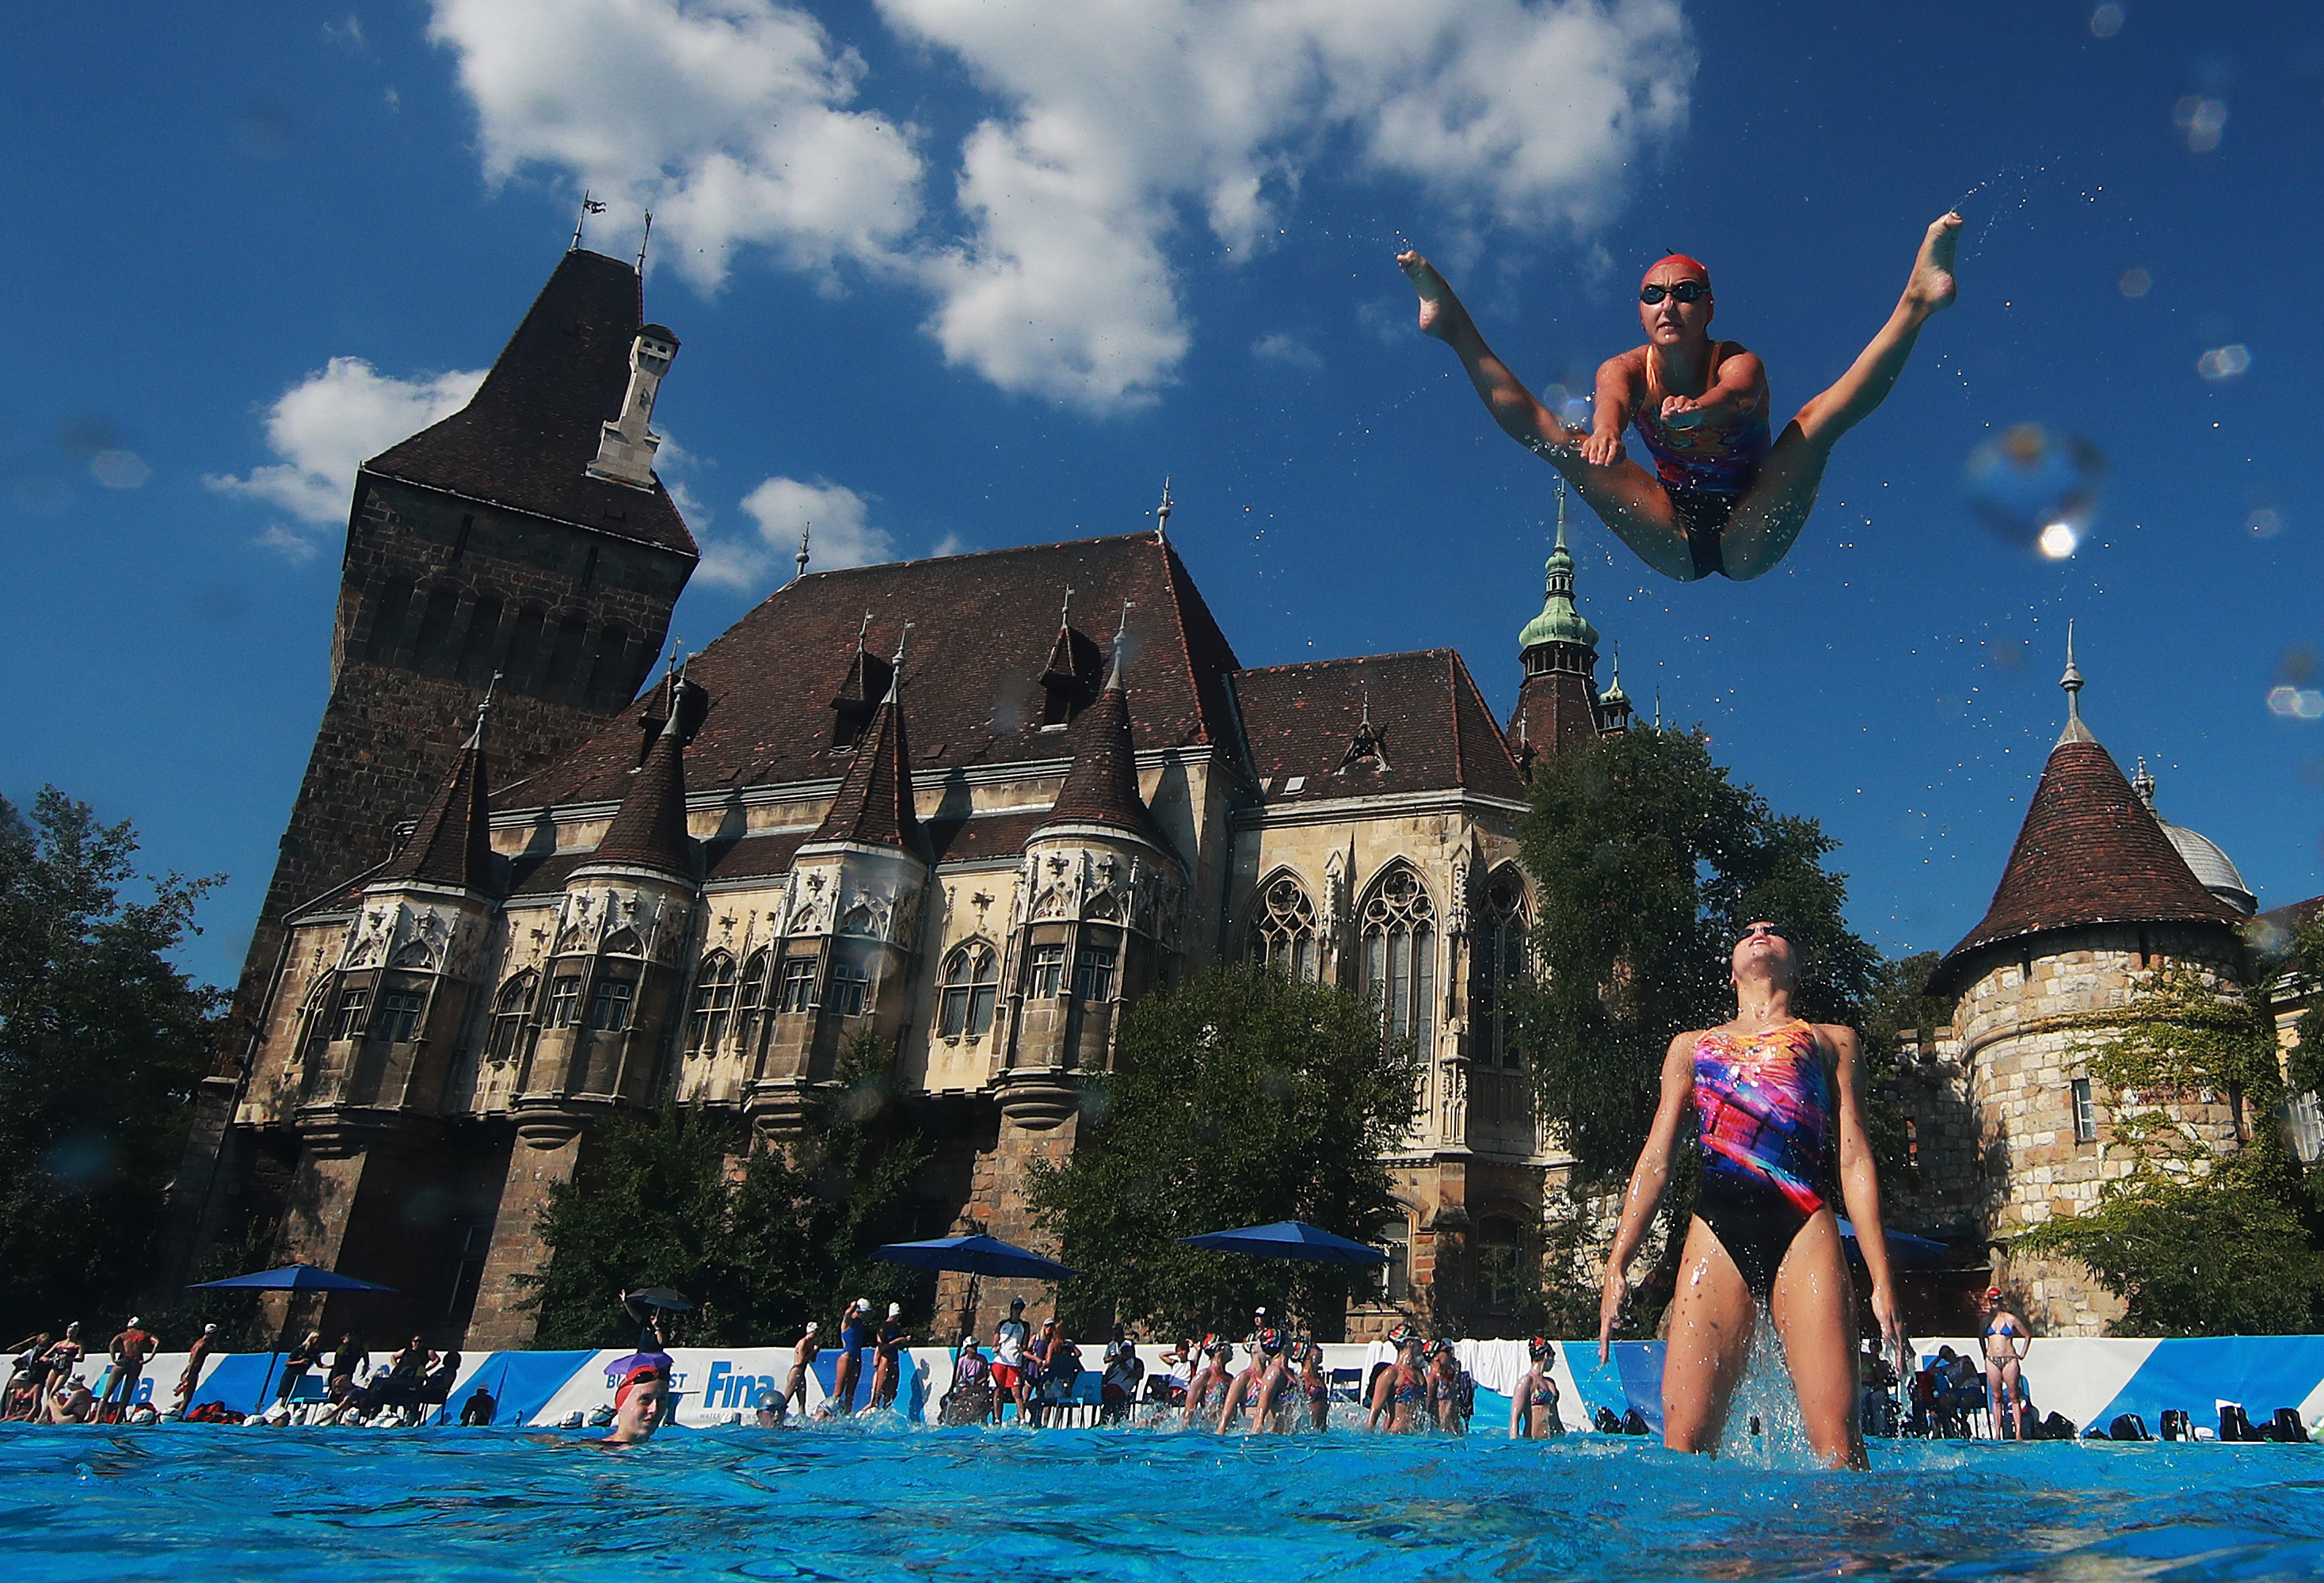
{"x":967,"y":274}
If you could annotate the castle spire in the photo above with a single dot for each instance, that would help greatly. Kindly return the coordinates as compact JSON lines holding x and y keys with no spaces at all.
{"x":875,"y":806}
{"x":1102,"y":786}
{"x":1559,"y":622}
{"x":649,"y":830}
{"x":451,"y":844}
{"x":2071,"y":681}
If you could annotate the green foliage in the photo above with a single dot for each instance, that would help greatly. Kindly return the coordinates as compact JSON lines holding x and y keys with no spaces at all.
{"x":2221,"y":1251}
{"x":2306,"y":1062}
{"x":1898,"y":1011}
{"x":2218,"y":1254}
{"x":786,"y":1238}
{"x":102,"y":1046}
{"x":1648,"y":863}
{"x":1243,"y":1098}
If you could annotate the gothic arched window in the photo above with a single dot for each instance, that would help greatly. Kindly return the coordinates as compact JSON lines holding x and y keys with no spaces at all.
{"x":714,"y":1004}
{"x":972,"y":984}
{"x":1498,"y":960}
{"x":1500,"y":1263}
{"x":1287,"y":930}
{"x":756,"y":973}
{"x":510,"y":1009}
{"x":1398,"y":924}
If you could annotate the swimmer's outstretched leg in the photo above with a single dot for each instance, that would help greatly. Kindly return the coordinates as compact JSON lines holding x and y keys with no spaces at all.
{"x":1776,"y":507}
{"x":1626,"y":496}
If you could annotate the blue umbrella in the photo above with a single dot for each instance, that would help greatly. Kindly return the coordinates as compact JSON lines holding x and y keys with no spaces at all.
{"x":1289,"y":1240}
{"x":290,"y":1278}
{"x":977,"y":1255}
{"x":1903,"y":1246}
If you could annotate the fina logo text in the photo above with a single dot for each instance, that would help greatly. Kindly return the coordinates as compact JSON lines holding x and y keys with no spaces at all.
{"x":727,"y":1389}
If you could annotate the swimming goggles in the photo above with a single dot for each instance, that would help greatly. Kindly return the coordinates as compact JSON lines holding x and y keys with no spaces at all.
{"x":1683,"y":291}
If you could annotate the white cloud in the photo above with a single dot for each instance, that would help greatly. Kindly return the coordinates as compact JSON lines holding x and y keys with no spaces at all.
{"x":330,"y":422}
{"x":1513,"y":113}
{"x":1109,"y":128}
{"x":781,"y":508}
{"x":727,"y":118}
{"x":293,"y":547}
{"x":1282,"y":346}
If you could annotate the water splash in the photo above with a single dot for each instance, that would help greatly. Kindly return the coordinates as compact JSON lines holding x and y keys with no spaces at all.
{"x":1764,"y":1428}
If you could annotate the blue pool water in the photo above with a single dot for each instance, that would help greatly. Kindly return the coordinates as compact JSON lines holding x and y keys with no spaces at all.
{"x":187,"y":1503}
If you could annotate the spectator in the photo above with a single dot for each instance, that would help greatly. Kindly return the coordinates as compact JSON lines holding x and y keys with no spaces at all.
{"x":970,"y":1397}
{"x":191,"y":1381}
{"x":350,"y":1363}
{"x":27,"y":1380}
{"x":2007,"y":1339}
{"x":295,"y":1365}
{"x":887,"y":1358}
{"x":435,"y":1389}
{"x":478,"y":1410}
{"x":1876,"y":1380}
{"x":803,"y":1356}
{"x":1060,"y":1367}
{"x":1180,"y":1363}
{"x":130,"y":1350}
{"x":855,"y":1336}
{"x":72,"y":1401}
{"x":1118,"y":1386}
{"x":1009,"y":1338}
{"x":1960,"y":1391}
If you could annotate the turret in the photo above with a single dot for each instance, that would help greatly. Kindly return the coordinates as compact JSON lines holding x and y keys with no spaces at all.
{"x":1557,"y":700}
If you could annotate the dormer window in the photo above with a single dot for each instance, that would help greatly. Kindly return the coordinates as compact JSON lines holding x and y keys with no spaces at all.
{"x":1069,"y":680}
{"x":859,"y":699}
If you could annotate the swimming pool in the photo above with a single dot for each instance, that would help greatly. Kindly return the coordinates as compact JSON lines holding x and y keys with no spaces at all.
{"x":187,"y":1503}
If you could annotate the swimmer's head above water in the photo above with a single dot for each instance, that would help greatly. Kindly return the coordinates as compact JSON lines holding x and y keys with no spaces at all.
{"x":1766,"y":950}
{"x":1676,"y":302}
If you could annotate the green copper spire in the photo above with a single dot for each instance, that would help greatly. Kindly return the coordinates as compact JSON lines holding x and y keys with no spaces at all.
{"x":1559,"y":622}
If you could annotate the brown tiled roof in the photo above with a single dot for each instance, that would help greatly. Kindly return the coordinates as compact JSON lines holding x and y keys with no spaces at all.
{"x":544,"y":873}
{"x":526,"y":439}
{"x":1102,"y":787}
{"x":953,"y":839}
{"x":650,"y":830}
{"x":984,"y":628}
{"x":1436,"y":733}
{"x":754,"y":857}
{"x":2089,"y":852}
{"x":452,"y":842}
{"x":874,"y":805}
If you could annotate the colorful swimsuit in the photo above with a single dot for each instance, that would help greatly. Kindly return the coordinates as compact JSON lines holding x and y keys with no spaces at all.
{"x":1705,"y":470}
{"x":1765,"y":1105}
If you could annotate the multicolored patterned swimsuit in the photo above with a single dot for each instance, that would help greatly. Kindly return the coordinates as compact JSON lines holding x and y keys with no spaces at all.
{"x":1766,"y":1103}
{"x":1705,"y":470}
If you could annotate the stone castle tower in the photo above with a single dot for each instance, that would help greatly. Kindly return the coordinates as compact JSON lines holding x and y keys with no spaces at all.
{"x":525,"y":539}
{"x":2096,"y":893}
{"x":1558,"y":701}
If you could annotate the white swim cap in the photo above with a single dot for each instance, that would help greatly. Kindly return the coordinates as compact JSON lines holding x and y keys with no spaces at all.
{"x":895,"y":1309}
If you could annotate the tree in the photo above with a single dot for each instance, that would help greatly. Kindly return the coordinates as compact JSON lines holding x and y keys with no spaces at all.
{"x":1647,"y":863}
{"x":1239,"y":1099}
{"x":2194,"y":1244}
{"x":102,"y":1046}
{"x":761,"y":1250}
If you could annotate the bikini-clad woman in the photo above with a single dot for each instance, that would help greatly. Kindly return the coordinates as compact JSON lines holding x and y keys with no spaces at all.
{"x":1400,"y":1391}
{"x":1532,"y":1411}
{"x":1769,"y":1092}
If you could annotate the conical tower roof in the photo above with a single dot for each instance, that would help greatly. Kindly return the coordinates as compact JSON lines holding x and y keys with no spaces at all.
{"x":452,"y":842}
{"x":1101,"y":787}
{"x":874,"y":807}
{"x":2089,"y":852}
{"x":526,"y":437}
{"x":650,"y":830}
{"x":1559,"y":622}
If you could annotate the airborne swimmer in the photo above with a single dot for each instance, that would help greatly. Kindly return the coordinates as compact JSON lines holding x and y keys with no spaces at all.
{"x":1721,"y":497}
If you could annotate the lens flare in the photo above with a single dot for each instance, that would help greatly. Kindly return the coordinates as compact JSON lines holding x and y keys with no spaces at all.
{"x":2135,"y":282}
{"x":2203,"y":120}
{"x":2105,"y":20}
{"x":2223,"y":363}
{"x":2295,"y":703}
{"x":2265,"y":522}
{"x":2035,"y":489}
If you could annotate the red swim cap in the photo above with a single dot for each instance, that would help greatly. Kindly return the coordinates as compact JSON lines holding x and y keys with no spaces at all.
{"x":645,"y":1373}
{"x":1684,"y":262}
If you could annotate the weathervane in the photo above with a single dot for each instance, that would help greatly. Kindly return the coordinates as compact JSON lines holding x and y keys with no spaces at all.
{"x":589,"y":206}
{"x":1162,"y":513}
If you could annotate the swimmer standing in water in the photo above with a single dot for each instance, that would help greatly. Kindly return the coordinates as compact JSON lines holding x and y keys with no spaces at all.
{"x":637,"y":1407}
{"x":1722,"y":497}
{"x":1769,"y":1091}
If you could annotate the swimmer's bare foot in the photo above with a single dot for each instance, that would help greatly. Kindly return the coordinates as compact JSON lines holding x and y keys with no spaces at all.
{"x":1437,"y":303}
{"x":1932,"y":289}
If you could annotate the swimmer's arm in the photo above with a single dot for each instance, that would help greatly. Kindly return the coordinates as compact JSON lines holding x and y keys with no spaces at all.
{"x":1648,"y":1178}
{"x":1609,"y":414}
{"x":1741,"y":386}
{"x":1518,"y":1405}
{"x":1861,"y":1187}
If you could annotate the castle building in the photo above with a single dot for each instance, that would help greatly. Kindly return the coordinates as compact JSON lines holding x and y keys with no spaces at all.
{"x":2097,"y":891}
{"x":974,"y":806}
